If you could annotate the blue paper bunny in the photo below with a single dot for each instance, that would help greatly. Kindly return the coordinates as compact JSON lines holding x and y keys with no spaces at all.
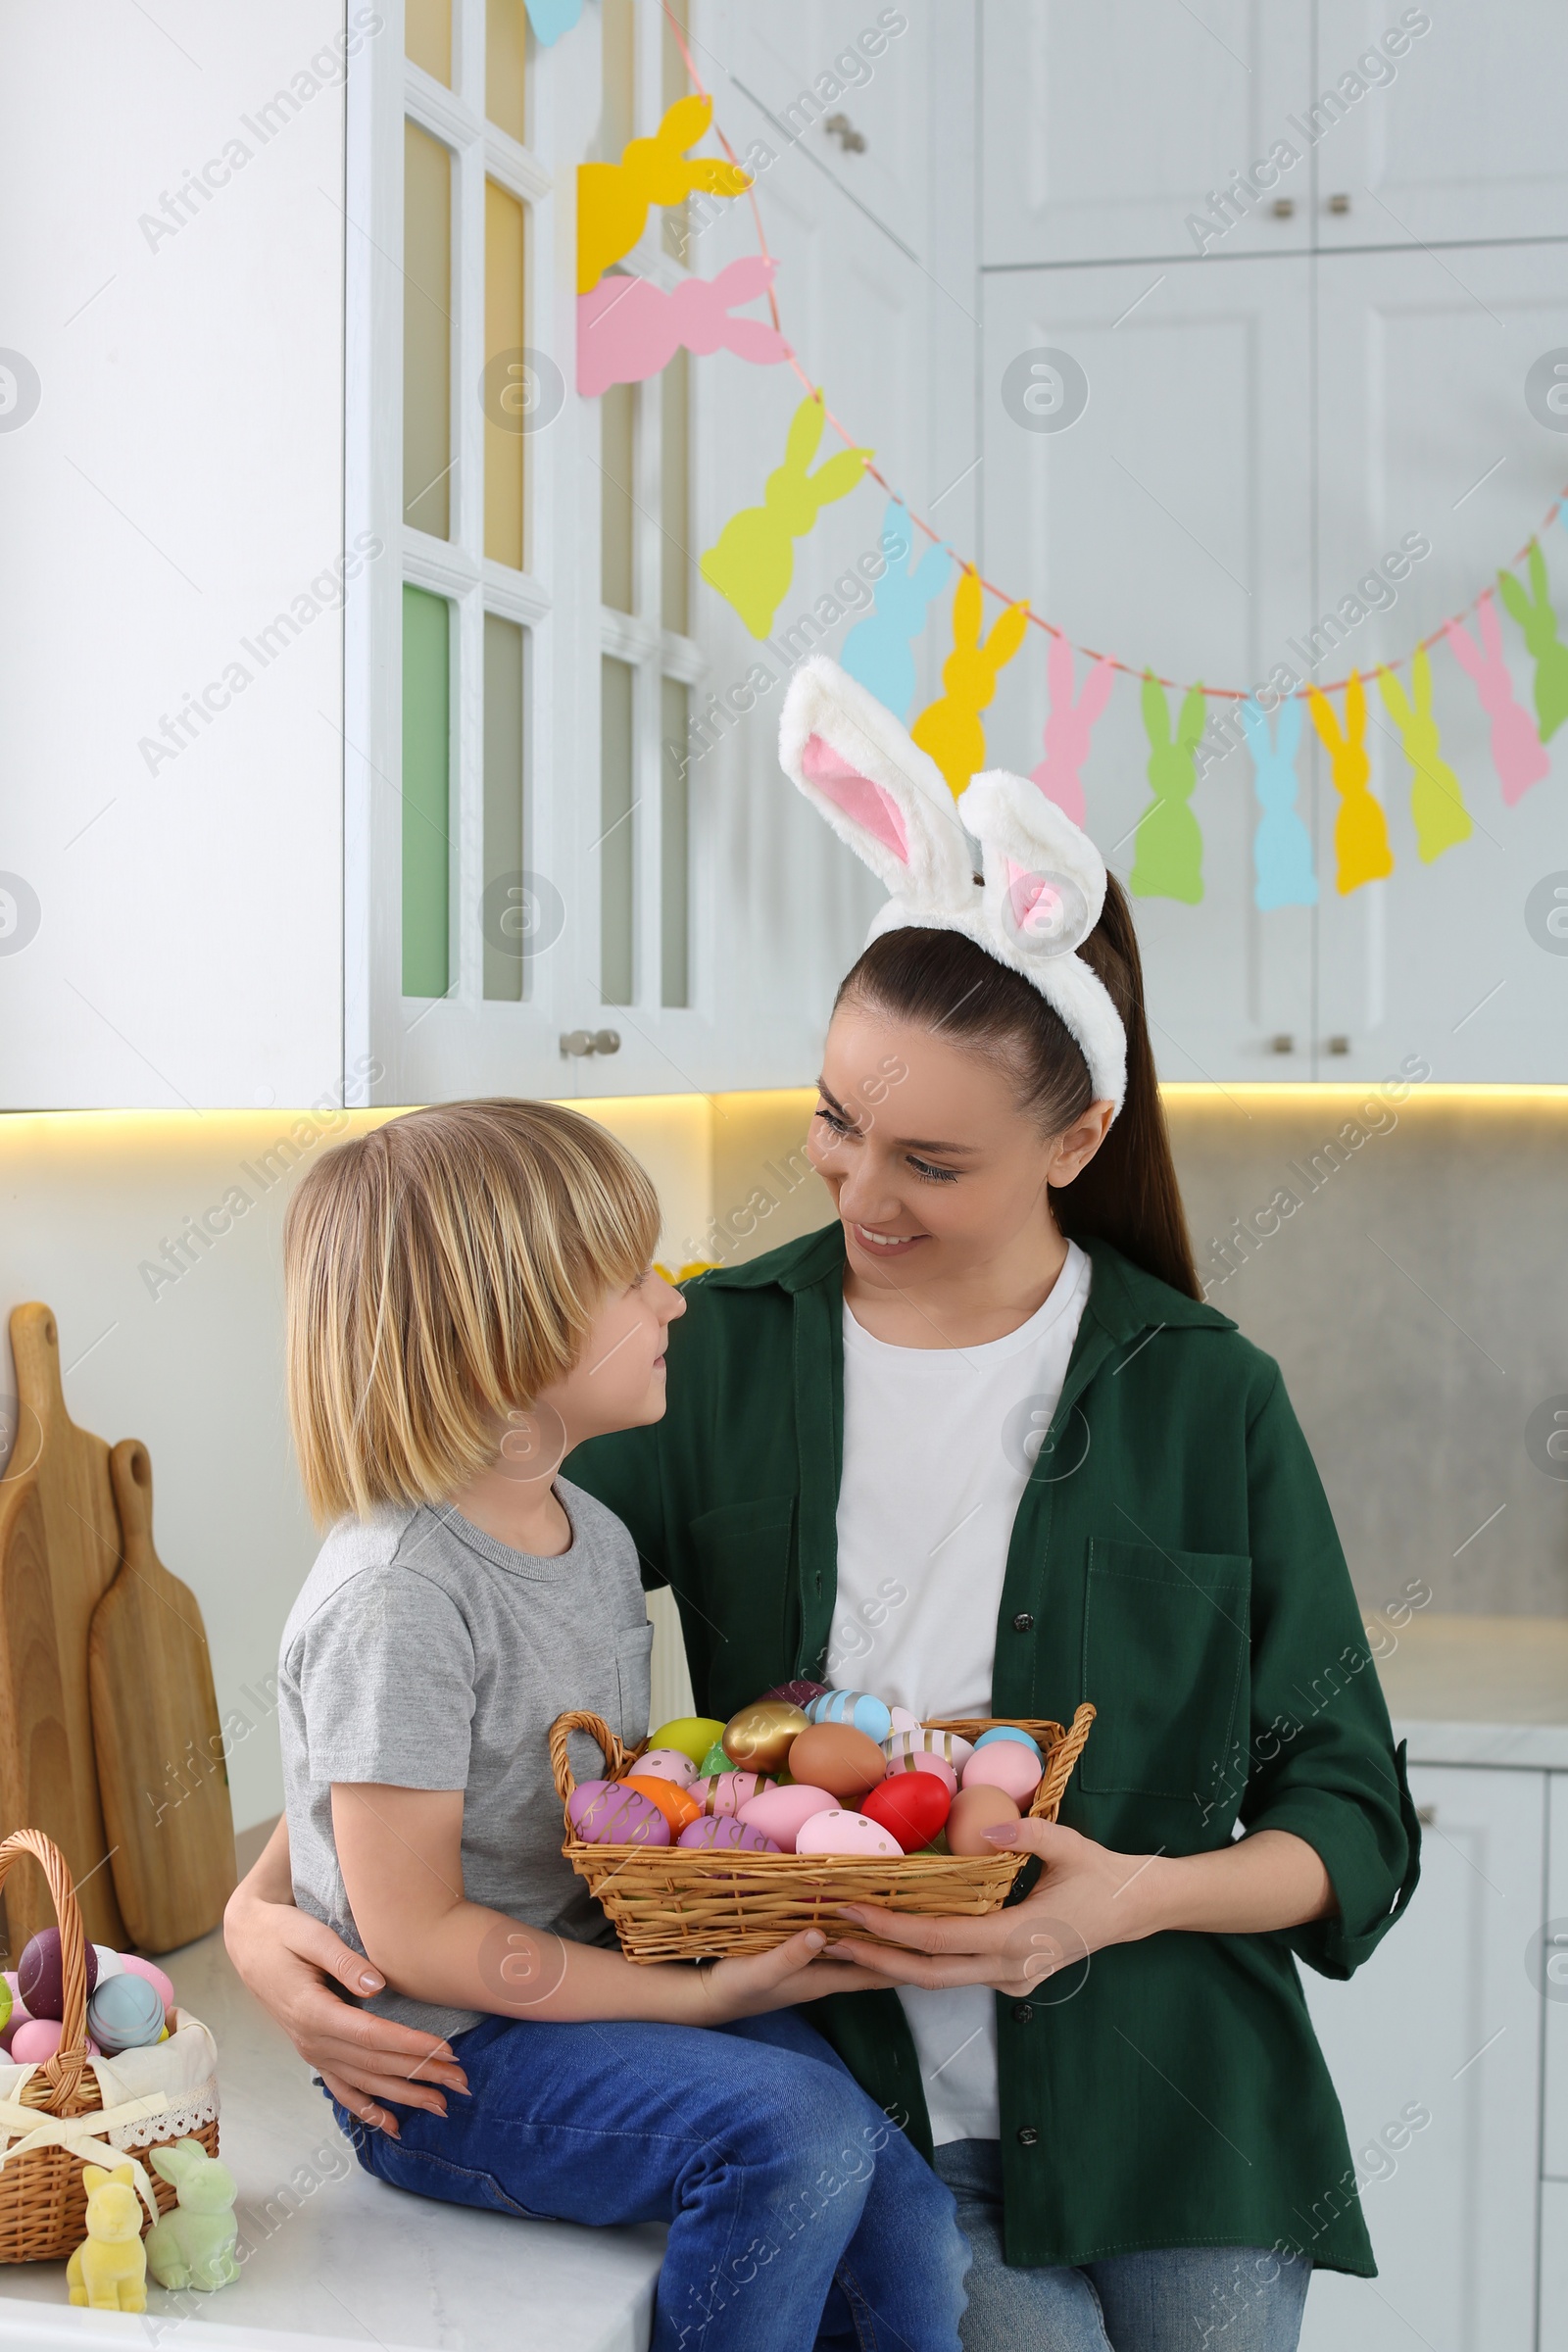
{"x":1282,"y":847}
{"x":878,"y":652}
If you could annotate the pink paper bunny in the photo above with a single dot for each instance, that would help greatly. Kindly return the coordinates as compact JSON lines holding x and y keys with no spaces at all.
{"x":1517,"y":752}
{"x":628,"y":328}
{"x":1067,"y":729}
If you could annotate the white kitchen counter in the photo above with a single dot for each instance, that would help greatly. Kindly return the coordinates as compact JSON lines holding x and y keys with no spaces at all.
{"x":337,"y":2259}
{"x":1481,"y":1691}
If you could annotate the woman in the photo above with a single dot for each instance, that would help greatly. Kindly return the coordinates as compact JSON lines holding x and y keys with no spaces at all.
{"x":981,"y":1447}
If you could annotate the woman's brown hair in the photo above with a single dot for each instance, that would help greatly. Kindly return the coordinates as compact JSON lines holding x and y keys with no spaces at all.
{"x":1128,"y":1193}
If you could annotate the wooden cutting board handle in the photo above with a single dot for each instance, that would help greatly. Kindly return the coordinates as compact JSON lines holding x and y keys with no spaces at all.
{"x":162,"y":1773}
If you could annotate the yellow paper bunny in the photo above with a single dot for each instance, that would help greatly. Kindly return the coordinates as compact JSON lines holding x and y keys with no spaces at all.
{"x":612,"y":199}
{"x":1361,"y":852}
{"x":950,"y":728}
{"x":107,"y":2272}
{"x":1436,"y":799}
{"x":753,"y":561}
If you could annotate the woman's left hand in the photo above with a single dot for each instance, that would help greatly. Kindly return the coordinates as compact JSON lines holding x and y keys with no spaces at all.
{"x":1086,"y":1897}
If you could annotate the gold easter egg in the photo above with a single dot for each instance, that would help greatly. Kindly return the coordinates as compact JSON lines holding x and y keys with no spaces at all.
{"x":761,"y":1735}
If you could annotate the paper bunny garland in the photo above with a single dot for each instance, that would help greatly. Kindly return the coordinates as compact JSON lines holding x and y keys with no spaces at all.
{"x":1042,"y":883}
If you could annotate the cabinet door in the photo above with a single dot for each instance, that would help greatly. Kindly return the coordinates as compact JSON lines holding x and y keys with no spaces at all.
{"x":1169,"y":525}
{"x":1549,"y":1965}
{"x":1442,"y":2022}
{"x":1111,"y":129}
{"x":1553,"y":2336}
{"x":1457,"y":132}
{"x":1423,"y":430}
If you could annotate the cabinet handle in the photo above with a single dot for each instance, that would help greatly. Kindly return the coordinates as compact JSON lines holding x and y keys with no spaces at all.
{"x":577,"y":1041}
{"x":1283,"y":207}
{"x":1339,"y":1045}
{"x":1339,"y":204}
{"x":1427,"y":1816}
{"x":1281,"y":1043}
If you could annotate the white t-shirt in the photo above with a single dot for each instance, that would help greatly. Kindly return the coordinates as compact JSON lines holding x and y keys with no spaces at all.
{"x":937,"y":1446}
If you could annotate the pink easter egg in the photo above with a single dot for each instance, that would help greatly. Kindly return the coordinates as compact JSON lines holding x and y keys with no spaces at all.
{"x":1009,"y":1766}
{"x":723,"y":1833}
{"x":779,"y":1813}
{"x":903,"y":1720}
{"x":668,"y":1764}
{"x":846,"y":1833}
{"x":920,"y":1759}
{"x":950,"y":1746}
{"x":38,"y":2038}
{"x":134,"y":1965}
{"x":605,"y":1813}
{"x":727,"y":1791}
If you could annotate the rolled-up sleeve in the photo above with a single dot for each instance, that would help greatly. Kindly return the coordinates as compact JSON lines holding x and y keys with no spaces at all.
{"x":1323,"y":1764}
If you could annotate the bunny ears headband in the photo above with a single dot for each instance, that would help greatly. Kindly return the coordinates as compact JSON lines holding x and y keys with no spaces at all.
{"x":1042,"y":883}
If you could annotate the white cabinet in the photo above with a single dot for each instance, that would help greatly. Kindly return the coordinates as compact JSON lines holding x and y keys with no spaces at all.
{"x":1109,"y":130}
{"x":1552,"y":1970}
{"x":1444,"y":2024}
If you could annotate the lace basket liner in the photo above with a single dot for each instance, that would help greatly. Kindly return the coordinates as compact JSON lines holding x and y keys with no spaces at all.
{"x":72,"y":2110}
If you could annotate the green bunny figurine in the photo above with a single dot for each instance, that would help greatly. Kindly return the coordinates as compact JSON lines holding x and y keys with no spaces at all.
{"x":194,"y":2245}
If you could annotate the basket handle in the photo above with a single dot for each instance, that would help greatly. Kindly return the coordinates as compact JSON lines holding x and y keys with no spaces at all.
{"x":616,"y":1757}
{"x":1047,"y":1800}
{"x":64,"y":2070}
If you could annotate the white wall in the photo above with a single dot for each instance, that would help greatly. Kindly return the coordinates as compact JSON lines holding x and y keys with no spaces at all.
{"x":196,"y":1370}
{"x":179,"y":486}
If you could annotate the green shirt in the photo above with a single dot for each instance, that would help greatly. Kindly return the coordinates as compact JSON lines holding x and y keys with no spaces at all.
{"x":1174,"y":1561}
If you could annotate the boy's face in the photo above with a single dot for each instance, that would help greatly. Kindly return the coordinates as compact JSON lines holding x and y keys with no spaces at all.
{"x":618,"y":1380}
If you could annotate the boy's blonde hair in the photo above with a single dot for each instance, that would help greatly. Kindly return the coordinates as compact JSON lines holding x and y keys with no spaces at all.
{"x":440,"y":1271}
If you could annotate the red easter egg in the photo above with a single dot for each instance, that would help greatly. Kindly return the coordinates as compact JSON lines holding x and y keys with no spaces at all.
{"x":913,"y":1806}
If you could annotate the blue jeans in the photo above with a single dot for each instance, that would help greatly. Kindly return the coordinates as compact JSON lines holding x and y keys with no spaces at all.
{"x":799,"y":2215}
{"x":1181,"y":2299}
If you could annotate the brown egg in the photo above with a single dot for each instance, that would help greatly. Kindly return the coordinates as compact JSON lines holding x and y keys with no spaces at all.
{"x":837,"y":1757}
{"x":974,"y":1811}
{"x":759,"y":1736}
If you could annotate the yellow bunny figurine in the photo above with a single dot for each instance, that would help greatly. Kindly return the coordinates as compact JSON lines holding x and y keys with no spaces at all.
{"x":107,"y":2272}
{"x":612,"y":199}
{"x":950,"y":729}
{"x":753,"y":561}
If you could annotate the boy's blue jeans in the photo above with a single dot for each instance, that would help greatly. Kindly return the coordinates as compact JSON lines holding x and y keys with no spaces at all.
{"x":799,"y":2215}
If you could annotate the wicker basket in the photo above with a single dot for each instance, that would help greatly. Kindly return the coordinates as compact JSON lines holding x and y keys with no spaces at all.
{"x":42,"y":2200}
{"x":679,"y":1903}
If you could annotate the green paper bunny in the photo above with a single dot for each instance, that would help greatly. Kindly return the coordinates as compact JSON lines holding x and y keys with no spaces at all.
{"x":194,"y":2245}
{"x":1169,"y":860}
{"x":1539,"y":621}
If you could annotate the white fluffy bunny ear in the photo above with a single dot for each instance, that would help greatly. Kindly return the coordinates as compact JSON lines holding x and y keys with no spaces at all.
{"x":878,"y":791}
{"x":1045,"y":886}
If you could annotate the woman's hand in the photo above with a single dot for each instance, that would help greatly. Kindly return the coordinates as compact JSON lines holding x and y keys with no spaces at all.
{"x":1088,"y":1897}
{"x":293,"y":1965}
{"x":781,"y":1979}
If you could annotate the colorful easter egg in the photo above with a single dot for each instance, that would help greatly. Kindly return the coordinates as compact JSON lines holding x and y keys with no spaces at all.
{"x":759,"y":1738}
{"x":727,"y":1791}
{"x":837,"y":1757}
{"x":38,"y":2038}
{"x":913,"y":1806}
{"x":1010,"y":1731}
{"x":125,"y":2013}
{"x":920,"y":1759}
{"x":38,"y":1977}
{"x":779,"y":1813}
{"x":6,"y":2005}
{"x":722,"y":1832}
{"x":867,"y":1713}
{"x":902,"y":1720}
{"x":974,"y":1811}
{"x":800,"y":1692}
{"x":950,"y":1746}
{"x":606,"y":1813}
{"x":666,"y":1764}
{"x":715,"y":1761}
{"x":677,"y":1805}
{"x":109,"y":1963}
{"x":134,"y":1965}
{"x":1005,"y":1766}
{"x":846,"y":1833}
{"x":692,"y":1735}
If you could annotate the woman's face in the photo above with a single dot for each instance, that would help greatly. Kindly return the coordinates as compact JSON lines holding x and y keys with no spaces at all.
{"x":933,"y":1168}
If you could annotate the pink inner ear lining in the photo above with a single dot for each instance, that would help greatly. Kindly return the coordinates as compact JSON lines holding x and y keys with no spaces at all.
{"x":867,"y":802}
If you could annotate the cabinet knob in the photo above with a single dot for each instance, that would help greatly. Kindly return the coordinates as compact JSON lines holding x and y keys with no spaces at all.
{"x":1339,"y":203}
{"x":1339,"y":1045}
{"x":1281,"y":1043}
{"x":578,"y":1042}
{"x":1283,"y":208}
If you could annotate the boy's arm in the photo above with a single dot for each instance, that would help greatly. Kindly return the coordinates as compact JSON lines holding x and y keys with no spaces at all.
{"x":400,"y":1853}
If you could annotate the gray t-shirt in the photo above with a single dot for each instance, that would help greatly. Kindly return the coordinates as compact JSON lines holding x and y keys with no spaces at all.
{"x":423,"y":1654}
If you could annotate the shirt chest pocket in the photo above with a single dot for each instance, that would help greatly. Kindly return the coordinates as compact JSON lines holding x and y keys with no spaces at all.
{"x":1166,"y":1654}
{"x":634,"y":1651}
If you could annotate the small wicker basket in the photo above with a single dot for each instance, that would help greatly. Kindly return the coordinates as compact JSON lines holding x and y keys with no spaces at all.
{"x":42,"y":2200}
{"x":679,"y":1903}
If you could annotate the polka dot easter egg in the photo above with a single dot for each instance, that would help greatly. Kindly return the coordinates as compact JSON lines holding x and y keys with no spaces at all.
{"x":846,"y":1833}
{"x":666,"y":1764}
{"x":608,"y":1813}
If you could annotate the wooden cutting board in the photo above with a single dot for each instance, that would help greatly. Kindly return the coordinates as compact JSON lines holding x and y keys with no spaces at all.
{"x":162,"y":1776}
{"x":58,"y":1552}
